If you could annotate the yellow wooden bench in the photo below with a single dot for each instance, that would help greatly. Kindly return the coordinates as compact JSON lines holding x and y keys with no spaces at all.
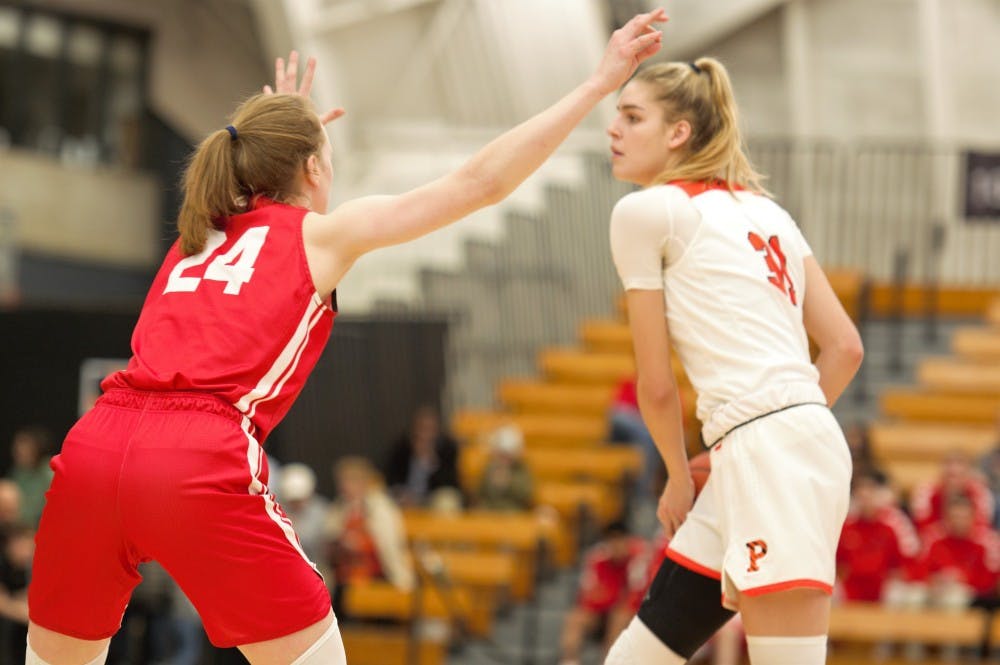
{"x":929,"y":441}
{"x":571,"y":498}
{"x":606,"y":336}
{"x":993,"y":313}
{"x":950,"y":375}
{"x":904,"y":475}
{"x":916,"y":404}
{"x":607,"y":464}
{"x":388,"y":646}
{"x":519,"y":534}
{"x":575,"y":366}
{"x":847,"y":284}
{"x":381,"y":600}
{"x":528,"y":396}
{"x":977,"y":343}
{"x":538,"y":429}
{"x":871,"y":622}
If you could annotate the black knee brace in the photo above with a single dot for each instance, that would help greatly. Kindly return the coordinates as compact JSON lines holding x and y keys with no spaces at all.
{"x":683,"y":608}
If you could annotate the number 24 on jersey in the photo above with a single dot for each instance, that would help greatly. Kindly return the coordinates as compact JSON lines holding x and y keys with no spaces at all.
{"x":234,"y":267}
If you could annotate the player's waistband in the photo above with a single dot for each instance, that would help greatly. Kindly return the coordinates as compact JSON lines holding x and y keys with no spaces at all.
{"x":756,"y":405}
{"x":146,"y":400}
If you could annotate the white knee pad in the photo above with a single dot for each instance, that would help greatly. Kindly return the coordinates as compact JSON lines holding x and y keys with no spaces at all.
{"x":31,"y":658}
{"x":637,"y":645}
{"x":787,"y":650}
{"x":327,"y":650}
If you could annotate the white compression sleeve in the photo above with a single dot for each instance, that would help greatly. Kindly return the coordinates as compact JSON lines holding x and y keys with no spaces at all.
{"x":31,"y":658}
{"x":787,"y":650}
{"x":327,"y":650}
{"x":637,"y":645}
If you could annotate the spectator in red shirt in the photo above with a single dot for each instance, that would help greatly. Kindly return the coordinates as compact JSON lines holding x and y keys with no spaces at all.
{"x":957,"y":477}
{"x":613,"y":570}
{"x":961,"y":559}
{"x":877,"y":541}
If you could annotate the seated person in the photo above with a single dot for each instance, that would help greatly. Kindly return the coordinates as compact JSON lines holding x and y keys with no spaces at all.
{"x":957,"y":477}
{"x":30,"y":471}
{"x":625,"y":425}
{"x":365,"y":533}
{"x":877,"y":542}
{"x":612,"y":571}
{"x":989,"y":465}
{"x":961,"y":558}
{"x":306,"y":509}
{"x":423,"y":461}
{"x":506,"y":483}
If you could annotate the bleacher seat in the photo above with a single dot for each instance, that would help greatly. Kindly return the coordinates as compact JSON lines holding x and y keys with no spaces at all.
{"x":977,"y":343}
{"x":950,"y":375}
{"x":928,"y":441}
{"x":538,"y":429}
{"x":918,"y":404}
{"x":389,"y":646}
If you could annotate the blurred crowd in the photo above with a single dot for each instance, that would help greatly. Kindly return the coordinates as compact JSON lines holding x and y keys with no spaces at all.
{"x":939,"y":548}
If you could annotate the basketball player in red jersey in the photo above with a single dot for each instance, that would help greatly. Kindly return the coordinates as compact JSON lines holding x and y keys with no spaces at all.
{"x":712,"y":264}
{"x":168,"y":465}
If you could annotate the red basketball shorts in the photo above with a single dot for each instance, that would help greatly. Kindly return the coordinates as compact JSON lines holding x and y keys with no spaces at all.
{"x":178,"y":478}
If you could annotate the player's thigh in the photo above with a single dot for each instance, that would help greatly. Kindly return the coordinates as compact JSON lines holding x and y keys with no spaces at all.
{"x":58,"y":649}
{"x":320,"y":641}
{"x":792,"y":613}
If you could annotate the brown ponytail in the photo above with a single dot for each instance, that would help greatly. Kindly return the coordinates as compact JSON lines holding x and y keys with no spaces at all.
{"x":701,"y":93}
{"x":273,"y":136}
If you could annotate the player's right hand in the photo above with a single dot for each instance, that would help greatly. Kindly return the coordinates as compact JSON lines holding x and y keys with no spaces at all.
{"x":675,"y":503}
{"x":286,"y":77}
{"x":629,"y":46}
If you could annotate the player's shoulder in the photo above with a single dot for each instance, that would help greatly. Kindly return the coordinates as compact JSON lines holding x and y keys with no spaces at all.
{"x":659,"y":202}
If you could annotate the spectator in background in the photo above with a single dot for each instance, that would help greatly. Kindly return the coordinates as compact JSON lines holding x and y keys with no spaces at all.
{"x":506,"y":482}
{"x":305,"y":508}
{"x":961,"y":559}
{"x":613,"y":570}
{"x":10,"y":505}
{"x":859,"y":443}
{"x":30,"y":451}
{"x":17,"y":546}
{"x":423,"y":461}
{"x":878,"y":541}
{"x":957,"y":477}
{"x":989,"y":465}
{"x":625,"y":425}
{"x":364,"y":529}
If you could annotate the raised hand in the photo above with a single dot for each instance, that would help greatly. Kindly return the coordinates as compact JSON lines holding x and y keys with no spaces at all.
{"x":286,"y":76}
{"x":629,"y":46}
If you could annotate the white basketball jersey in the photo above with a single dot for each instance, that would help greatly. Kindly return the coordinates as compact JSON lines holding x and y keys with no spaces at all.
{"x":731,"y":268}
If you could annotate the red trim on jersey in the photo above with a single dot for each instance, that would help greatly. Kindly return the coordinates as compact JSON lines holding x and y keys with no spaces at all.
{"x":695,"y":187}
{"x":692,"y":565}
{"x":790,"y":584}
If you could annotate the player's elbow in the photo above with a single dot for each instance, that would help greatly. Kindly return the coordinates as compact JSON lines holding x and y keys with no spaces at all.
{"x":656,"y":392}
{"x":850,"y":350}
{"x":484,"y":188}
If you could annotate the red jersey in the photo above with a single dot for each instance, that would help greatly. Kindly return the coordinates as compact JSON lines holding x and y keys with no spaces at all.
{"x":606,"y":582}
{"x":240,"y":320}
{"x":927,"y":503}
{"x":870,"y":549}
{"x":975,"y":560}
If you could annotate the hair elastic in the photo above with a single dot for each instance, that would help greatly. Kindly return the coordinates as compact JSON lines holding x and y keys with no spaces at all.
{"x":232,"y":132}
{"x":695,"y":68}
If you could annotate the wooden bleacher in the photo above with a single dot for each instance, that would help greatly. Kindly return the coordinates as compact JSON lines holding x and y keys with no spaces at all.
{"x":951,"y":375}
{"x":929,"y":441}
{"x":873,"y":623}
{"x":576,"y":366}
{"x":918,"y":404}
{"x":539,"y":430}
{"x":526,"y":396}
{"x":389,"y":646}
{"x":977,"y":344}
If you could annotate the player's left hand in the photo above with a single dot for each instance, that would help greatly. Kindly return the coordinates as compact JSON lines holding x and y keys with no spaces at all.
{"x":286,"y":76}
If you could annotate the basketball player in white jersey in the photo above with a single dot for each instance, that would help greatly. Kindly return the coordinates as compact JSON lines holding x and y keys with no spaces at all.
{"x":711,"y":264}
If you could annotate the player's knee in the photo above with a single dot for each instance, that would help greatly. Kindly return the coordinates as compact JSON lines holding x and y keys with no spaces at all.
{"x":683,"y":609}
{"x":327,"y":650}
{"x":637,"y":645}
{"x":32,"y":658}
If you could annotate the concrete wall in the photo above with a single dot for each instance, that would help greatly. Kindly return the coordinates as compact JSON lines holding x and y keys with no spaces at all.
{"x":94,"y":215}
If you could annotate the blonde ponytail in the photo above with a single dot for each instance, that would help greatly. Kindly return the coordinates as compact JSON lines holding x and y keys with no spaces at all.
{"x":701,"y":93}
{"x":264,"y":153}
{"x":211,"y":190}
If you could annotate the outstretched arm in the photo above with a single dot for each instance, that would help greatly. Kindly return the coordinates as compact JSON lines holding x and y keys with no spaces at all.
{"x":361,"y":225}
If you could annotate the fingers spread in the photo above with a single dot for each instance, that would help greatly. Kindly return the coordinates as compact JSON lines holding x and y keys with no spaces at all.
{"x":640,"y":22}
{"x":268,"y":90}
{"x":307,"y":78}
{"x":292,"y":74}
{"x":279,"y":73}
{"x":331,"y":115}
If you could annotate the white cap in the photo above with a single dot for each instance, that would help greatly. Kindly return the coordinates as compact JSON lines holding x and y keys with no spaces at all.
{"x":508,"y":440}
{"x":298,"y":482}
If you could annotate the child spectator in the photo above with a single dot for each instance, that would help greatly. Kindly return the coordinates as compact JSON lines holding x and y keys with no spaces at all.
{"x":877,"y":542}
{"x":612,"y":571}
{"x":305,"y":508}
{"x":364,"y":529}
{"x":506,"y":482}
{"x":957,"y":477}
{"x":423,"y":461}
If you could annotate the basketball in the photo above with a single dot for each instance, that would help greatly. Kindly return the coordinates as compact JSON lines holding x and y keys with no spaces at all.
{"x":700,"y":466}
